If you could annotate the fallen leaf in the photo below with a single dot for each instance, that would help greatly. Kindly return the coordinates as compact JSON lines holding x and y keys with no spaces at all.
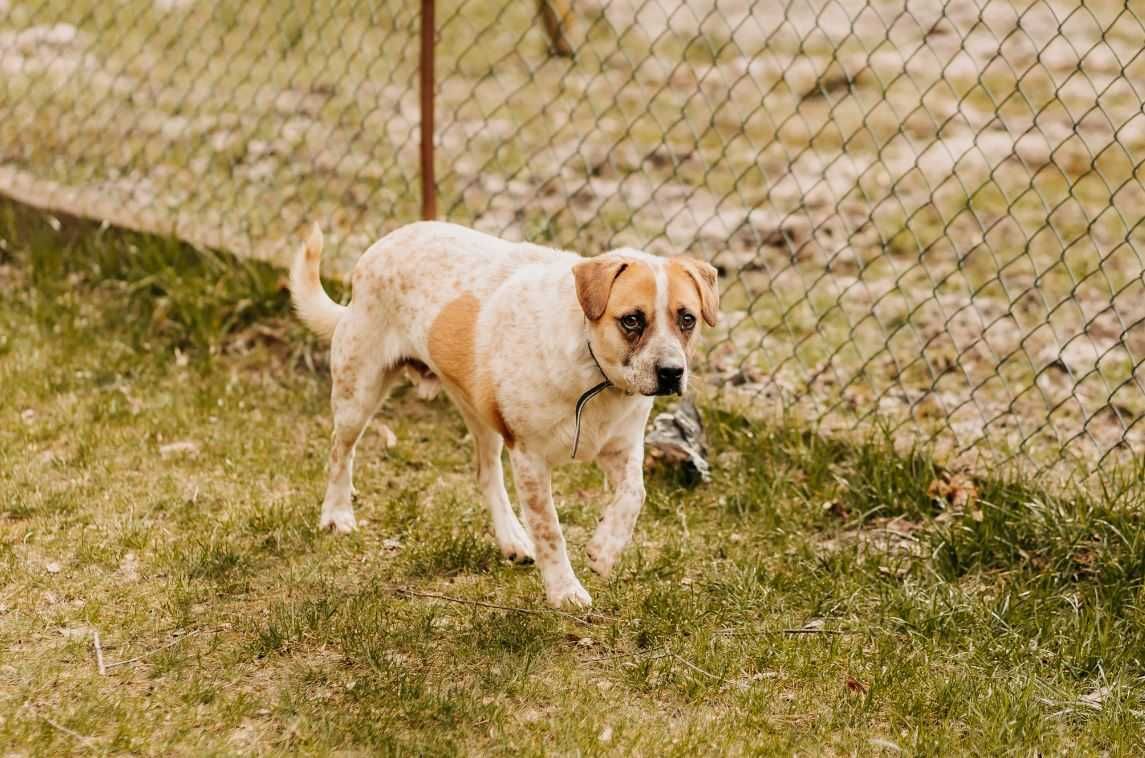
{"x":963,"y":491}
{"x":937,"y":490}
{"x":855,"y":686}
{"x":958,"y":493}
{"x":605,"y":735}
{"x":835,"y":508}
{"x":579,"y":641}
{"x":53,"y":567}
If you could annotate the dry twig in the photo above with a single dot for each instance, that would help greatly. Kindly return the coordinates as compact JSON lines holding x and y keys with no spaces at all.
{"x":70,"y":732}
{"x":768,"y":632}
{"x":650,"y":655}
{"x":149,"y":653}
{"x":98,"y":653}
{"x":694,"y":667}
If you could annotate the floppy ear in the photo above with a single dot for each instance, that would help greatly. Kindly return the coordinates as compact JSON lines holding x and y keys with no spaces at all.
{"x":707,"y":282}
{"x":594,"y":278}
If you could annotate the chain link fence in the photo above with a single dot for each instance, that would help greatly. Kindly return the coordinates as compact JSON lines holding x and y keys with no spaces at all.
{"x":927,"y":214}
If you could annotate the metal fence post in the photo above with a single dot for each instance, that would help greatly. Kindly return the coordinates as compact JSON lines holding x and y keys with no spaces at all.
{"x":557,"y":16}
{"x":425,"y":70}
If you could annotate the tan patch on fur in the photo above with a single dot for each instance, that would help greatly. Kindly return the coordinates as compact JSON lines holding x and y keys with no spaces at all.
{"x":701,"y":280}
{"x":453,"y":344}
{"x":634,"y":288}
{"x":683,"y":292}
{"x":453,"y":348}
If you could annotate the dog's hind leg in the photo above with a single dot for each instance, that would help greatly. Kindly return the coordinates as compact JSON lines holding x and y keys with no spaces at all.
{"x":360,"y":383}
{"x":512,"y":538}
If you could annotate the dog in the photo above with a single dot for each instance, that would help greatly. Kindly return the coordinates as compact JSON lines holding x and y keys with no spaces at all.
{"x":554,"y":356}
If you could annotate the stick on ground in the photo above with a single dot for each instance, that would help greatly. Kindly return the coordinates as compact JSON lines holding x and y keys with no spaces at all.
{"x":70,"y":732}
{"x":149,"y":653}
{"x":98,"y":653}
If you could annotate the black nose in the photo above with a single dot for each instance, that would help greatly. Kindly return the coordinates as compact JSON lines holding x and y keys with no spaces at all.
{"x":668,"y":379}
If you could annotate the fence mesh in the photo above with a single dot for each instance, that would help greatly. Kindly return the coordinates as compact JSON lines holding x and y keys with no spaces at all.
{"x":927,"y":214}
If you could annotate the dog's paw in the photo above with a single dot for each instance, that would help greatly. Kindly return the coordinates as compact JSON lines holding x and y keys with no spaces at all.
{"x":601,"y":559}
{"x":517,"y":547}
{"x":569,"y":595}
{"x":342,"y":522}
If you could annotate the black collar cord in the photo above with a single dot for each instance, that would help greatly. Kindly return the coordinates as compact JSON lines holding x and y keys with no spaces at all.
{"x":589,"y":394}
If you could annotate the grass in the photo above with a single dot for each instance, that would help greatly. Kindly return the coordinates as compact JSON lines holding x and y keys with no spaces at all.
{"x":163,"y":430}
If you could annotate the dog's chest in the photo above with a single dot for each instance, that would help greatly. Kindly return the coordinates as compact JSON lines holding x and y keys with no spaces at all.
{"x":605,"y":419}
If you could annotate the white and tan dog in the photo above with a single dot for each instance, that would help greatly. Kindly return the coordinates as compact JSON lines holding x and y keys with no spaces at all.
{"x":516,"y":333}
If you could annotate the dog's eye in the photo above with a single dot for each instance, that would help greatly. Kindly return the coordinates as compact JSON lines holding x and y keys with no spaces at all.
{"x":686,"y":321}
{"x":632,"y":322}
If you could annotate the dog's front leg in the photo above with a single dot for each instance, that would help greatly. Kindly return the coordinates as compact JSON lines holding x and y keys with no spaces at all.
{"x":623,"y":467}
{"x":534,"y":489}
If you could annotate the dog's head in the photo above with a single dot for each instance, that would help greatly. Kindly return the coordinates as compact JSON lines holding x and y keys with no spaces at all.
{"x":644,"y":315}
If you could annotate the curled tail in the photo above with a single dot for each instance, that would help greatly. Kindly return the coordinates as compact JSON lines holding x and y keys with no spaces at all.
{"x":313,"y":305}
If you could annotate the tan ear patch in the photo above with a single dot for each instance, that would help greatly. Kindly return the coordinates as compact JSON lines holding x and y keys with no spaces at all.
{"x":594,"y":278}
{"x":704,"y":277}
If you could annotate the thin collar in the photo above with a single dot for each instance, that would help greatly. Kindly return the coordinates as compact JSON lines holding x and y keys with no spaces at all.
{"x":589,"y":394}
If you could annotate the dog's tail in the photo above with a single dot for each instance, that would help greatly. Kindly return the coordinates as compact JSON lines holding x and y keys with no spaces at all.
{"x":313,"y":305}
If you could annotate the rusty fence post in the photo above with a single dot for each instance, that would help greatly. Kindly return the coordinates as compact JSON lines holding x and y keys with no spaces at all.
{"x":557,"y":17}
{"x":426,"y":87}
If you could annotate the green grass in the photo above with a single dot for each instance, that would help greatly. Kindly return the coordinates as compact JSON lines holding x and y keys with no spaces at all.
{"x":1013,"y":626}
